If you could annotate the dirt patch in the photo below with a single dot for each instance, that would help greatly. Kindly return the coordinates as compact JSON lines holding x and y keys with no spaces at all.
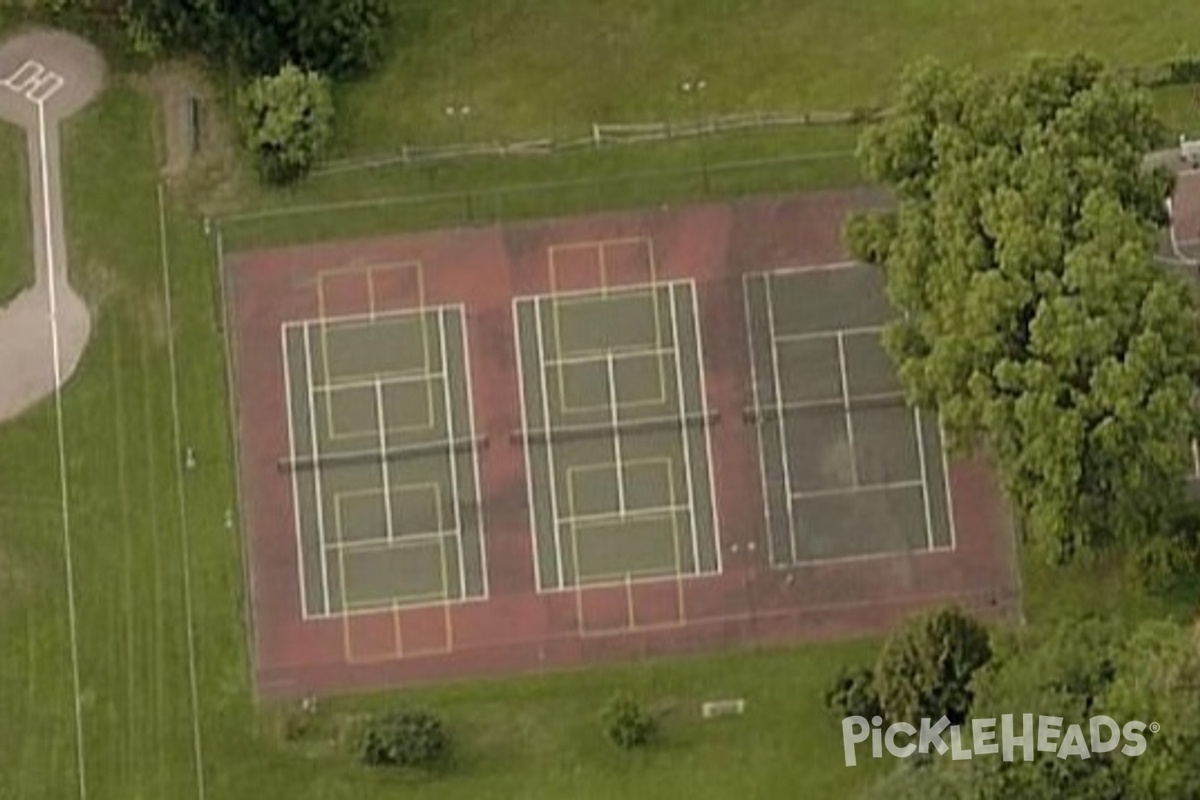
{"x":202,"y":163}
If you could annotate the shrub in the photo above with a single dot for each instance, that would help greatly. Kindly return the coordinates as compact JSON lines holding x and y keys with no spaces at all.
{"x":406,"y":738}
{"x":628,"y":725}
{"x":286,"y":122}
{"x":925,"y":667}
{"x":853,"y":694}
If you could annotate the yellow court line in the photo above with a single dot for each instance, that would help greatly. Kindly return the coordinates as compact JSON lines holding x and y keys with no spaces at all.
{"x":416,"y":266}
{"x":397,"y":630}
{"x":631,"y":614}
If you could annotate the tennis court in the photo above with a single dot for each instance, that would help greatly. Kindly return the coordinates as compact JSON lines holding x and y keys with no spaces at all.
{"x":848,"y":469}
{"x":383,"y":460}
{"x":616,"y":435}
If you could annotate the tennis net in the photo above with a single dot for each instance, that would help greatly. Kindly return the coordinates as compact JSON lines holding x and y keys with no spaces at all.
{"x":289,"y":463}
{"x":608,"y":430}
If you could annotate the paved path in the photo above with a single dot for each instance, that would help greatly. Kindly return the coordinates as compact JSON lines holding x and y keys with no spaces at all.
{"x":45,"y":77}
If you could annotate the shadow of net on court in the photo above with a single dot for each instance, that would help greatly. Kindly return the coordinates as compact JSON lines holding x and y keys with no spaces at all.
{"x":849,"y":470}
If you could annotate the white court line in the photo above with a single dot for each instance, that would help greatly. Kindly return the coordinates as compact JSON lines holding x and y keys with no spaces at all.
{"x":924,"y":478}
{"x":320,"y":501}
{"x":287,"y":393}
{"x":862,"y":330}
{"x":826,"y":267}
{"x":684,"y":438}
{"x":197,"y":747}
{"x":841,"y":349}
{"x":758,"y":429}
{"x":701,"y":371}
{"x":384,"y":469}
{"x":406,"y":542}
{"x":56,"y":357}
{"x":946,"y":482}
{"x":456,"y":500}
{"x":385,"y":379}
{"x":359,"y":320}
{"x":630,"y":351}
{"x":783,"y":440}
{"x":601,"y":517}
{"x":845,"y":490}
{"x":466,"y":366}
{"x":612,"y":400}
{"x":554,"y":531}
{"x":526,"y":444}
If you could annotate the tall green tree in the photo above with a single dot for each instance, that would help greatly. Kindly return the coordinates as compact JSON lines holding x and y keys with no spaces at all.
{"x":925,"y":668}
{"x":340,"y":38}
{"x":287,"y":120}
{"x":1020,"y":255}
{"x":1076,"y":670}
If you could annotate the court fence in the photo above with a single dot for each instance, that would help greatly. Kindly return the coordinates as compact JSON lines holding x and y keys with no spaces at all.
{"x":471,"y":203}
{"x":602,"y":134}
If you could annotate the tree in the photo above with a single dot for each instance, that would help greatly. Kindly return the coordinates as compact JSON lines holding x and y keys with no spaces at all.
{"x":407,"y":738}
{"x":925,"y":668}
{"x":1079,"y":669}
{"x":627,"y":724}
{"x":1020,"y":255}
{"x":853,"y":694}
{"x":341,"y":38}
{"x":286,"y":121}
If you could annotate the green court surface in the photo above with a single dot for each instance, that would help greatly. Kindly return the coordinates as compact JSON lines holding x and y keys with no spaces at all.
{"x":616,"y":436}
{"x":383,"y":462}
{"x":848,"y":469}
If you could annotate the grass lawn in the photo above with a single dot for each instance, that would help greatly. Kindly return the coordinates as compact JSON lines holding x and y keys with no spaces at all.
{"x":552,"y":67}
{"x":431,"y":195}
{"x":16,"y":261}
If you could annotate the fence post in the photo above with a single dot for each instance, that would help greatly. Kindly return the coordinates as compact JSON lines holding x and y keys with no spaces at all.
{"x":596,"y":135}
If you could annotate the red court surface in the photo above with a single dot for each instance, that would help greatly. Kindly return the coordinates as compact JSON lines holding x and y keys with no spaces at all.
{"x":515,"y":628}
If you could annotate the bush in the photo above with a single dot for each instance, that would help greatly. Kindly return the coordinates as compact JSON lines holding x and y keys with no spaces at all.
{"x":286,"y":122}
{"x":407,"y":738}
{"x":628,"y":725}
{"x":853,"y":694}
{"x":925,"y":668}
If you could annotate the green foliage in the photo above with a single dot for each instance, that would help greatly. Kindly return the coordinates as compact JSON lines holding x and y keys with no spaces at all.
{"x":853,"y":694}
{"x":925,"y":668}
{"x":341,"y":38}
{"x":408,"y":738}
{"x":1076,"y":670}
{"x":286,"y":122}
{"x":1032,"y":314}
{"x":627,"y":724}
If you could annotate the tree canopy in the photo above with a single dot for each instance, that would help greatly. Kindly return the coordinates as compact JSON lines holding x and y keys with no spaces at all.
{"x":341,"y":38}
{"x":1076,"y":670}
{"x":287,"y":120}
{"x":1032,"y":315}
{"x":925,"y":668}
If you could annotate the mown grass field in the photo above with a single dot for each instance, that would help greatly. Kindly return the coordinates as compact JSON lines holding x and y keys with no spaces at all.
{"x":552,"y":67}
{"x":150,"y":549}
{"x":16,"y":264}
